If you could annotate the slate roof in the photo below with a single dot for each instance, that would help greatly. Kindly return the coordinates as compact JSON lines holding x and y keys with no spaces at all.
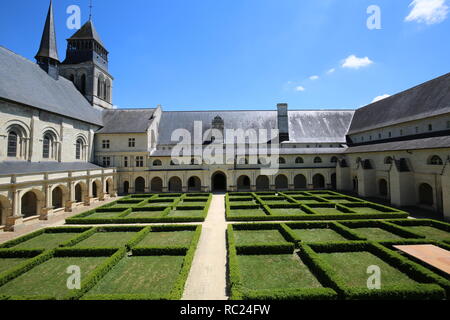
{"x":87,"y":32}
{"x":19,"y":167}
{"x":126,"y":120}
{"x":304,"y":126}
{"x":25,"y":82}
{"x":48,"y":46}
{"x":429,"y":99}
{"x":416,"y":144}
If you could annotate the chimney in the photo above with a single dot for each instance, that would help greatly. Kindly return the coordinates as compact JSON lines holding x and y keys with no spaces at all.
{"x":283,"y":122}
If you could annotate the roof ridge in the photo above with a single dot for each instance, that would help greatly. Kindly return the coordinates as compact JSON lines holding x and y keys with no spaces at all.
{"x":259,"y":110}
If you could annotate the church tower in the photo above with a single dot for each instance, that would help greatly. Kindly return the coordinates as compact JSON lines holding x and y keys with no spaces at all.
{"x":47,"y":56}
{"x":86,"y":65}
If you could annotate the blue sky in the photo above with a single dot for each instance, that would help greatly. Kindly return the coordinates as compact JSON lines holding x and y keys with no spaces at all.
{"x":250,"y":54}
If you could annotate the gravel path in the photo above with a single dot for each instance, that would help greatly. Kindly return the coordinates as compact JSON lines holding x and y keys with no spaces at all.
{"x":207,"y":278}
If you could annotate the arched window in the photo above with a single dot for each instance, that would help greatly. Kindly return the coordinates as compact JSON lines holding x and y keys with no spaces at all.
{"x":83,"y":84}
{"x":174,"y":162}
{"x":317,"y":160}
{"x":334,"y":160}
{"x":104,"y":90}
{"x":47,"y":146}
{"x":281,"y":160}
{"x":12,"y":144}
{"x":79,"y":149}
{"x":157,"y":163}
{"x":436,"y":161}
{"x":299,"y":160}
{"x":388,"y":160}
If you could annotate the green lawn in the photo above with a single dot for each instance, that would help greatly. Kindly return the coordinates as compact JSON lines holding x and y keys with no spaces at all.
{"x":245,"y":237}
{"x":105,"y":215}
{"x":281,"y":271}
{"x":106,"y":240}
{"x":274,"y":202}
{"x":167,"y":238}
{"x":318,"y":235}
{"x":352,"y":268}
{"x":366,"y":210}
{"x":191,"y":203}
{"x":247,"y":212}
{"x":309,"y":201}
{"x":46,"y":241}
{"x":145,"y":214}
{"x":287,"y":211}
{"x":430,"y":232}
{"x":50,"y":277}
{"x":159,"y":204}
{"x":376,"y":234}
{"x":330,"y":211}
{"x":141,"y":275}
{"x":242,"y":203}
{"x":9,"y":263}
{"x":185,"y":213}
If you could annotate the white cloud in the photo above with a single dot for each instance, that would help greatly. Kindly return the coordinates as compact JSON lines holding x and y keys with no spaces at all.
{"x":384,"y":96}
{"x":115,"y":107}
{"x":314,"y":78}
{"x":353,"y":62}
{"x":332,"y":70}
{"x":428,"y":11}
{"x":299,"y":88}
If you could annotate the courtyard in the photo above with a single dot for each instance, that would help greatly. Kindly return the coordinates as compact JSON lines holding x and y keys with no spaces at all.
{"x":293,"y":245}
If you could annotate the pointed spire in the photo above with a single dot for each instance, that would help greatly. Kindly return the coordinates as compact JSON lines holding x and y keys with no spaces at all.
{"x":48,"y":47}
{"x":87,"y":32}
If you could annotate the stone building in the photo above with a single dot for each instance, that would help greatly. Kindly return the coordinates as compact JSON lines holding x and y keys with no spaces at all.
{"x":63,"y":145}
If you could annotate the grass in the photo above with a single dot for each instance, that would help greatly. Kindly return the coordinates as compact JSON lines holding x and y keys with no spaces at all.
{"x":185,"y":213}
{"x":102,"y":215}
{"x":46,"y":241}
{"x":247,"y":212}
{"x":366,"y":210}
{"x":145,"y":214}
{"x":9,"y":263}
{"x":287,"y":211}
{"x":331,"y":211}
{"x":352,"y":268}
{"x":50,"y":277}
{"x":281,"y":271}
{"x":377,"y":234}
{"x":430,"y":232}
{"x":167,"y":238}
{"x":106,"y":240}
{"x":244,"y":237}
{"x":141,"y":275}
{"x":318,"y":235}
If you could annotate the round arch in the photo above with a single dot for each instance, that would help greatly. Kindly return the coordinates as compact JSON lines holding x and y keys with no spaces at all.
{"x":96,"y":188}
{"x":139,"y":185}
{"x":60,"y":195}
{"x":281,"y":182}
{"x":80,"y":192}
{"x":262,"y":183}
{"x":126,"y":187}
{"x":383,"y":189}
{"x":194,"y":184}
{"x":32,"y":203}
{"x":175,"y":184}
{"x":300,"y":182}
{"x":243,"y":183}
{"x":426,"y":196}
{"x":156,"y":185}
{"x":219,"y":181}
{"x":318,"y":181}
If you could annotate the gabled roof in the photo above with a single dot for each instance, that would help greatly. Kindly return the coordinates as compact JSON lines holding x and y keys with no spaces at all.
{"x":304,"y":126}
{"x":48,"y":48}
{"x":24,"y":82}
{"x":429,"y":99}
{"x":87,"y":32}
{"x":416,"y":144}
{"x":126,"y":120}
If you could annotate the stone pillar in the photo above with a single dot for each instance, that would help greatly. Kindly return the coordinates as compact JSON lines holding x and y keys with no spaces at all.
{"x":367,"y":186}
{"x":402,"y":188}
{"x":445,"y":182}
{"x":343,"y":179}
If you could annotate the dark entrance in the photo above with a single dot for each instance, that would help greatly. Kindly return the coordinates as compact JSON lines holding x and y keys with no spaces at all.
{"x":219,"y":182}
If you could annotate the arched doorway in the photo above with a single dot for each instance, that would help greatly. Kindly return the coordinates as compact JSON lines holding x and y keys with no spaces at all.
{"x":57,"y":198}
{"x":175,"y":184}
{"x":139,"y":185}
{"x":355,"y":184}
{"x":426,"y":194}
{"x":243,"y":183}
{"x":78,"y":193}
{"x":300,"y":182}
{"x":281,"y":182}
{"x":333,"y":181}
{"x":318,"y":181}
{"x":156,"y":184}
{"x":383,"y":188}
{"x":29,"y":204}
{"x":126,"y":187}
{"x":194,"y":184}
{"x":219,"y":181}
{"x":96,"y":189}
{"x":262,"y":183}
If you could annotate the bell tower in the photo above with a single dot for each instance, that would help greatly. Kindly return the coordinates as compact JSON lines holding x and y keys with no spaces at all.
{"x":86,"y":65}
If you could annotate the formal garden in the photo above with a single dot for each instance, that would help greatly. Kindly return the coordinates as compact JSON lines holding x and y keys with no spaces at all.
{"x":280,"y":245}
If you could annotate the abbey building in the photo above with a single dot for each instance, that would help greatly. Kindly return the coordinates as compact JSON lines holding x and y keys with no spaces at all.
{"x":63,"y":145}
